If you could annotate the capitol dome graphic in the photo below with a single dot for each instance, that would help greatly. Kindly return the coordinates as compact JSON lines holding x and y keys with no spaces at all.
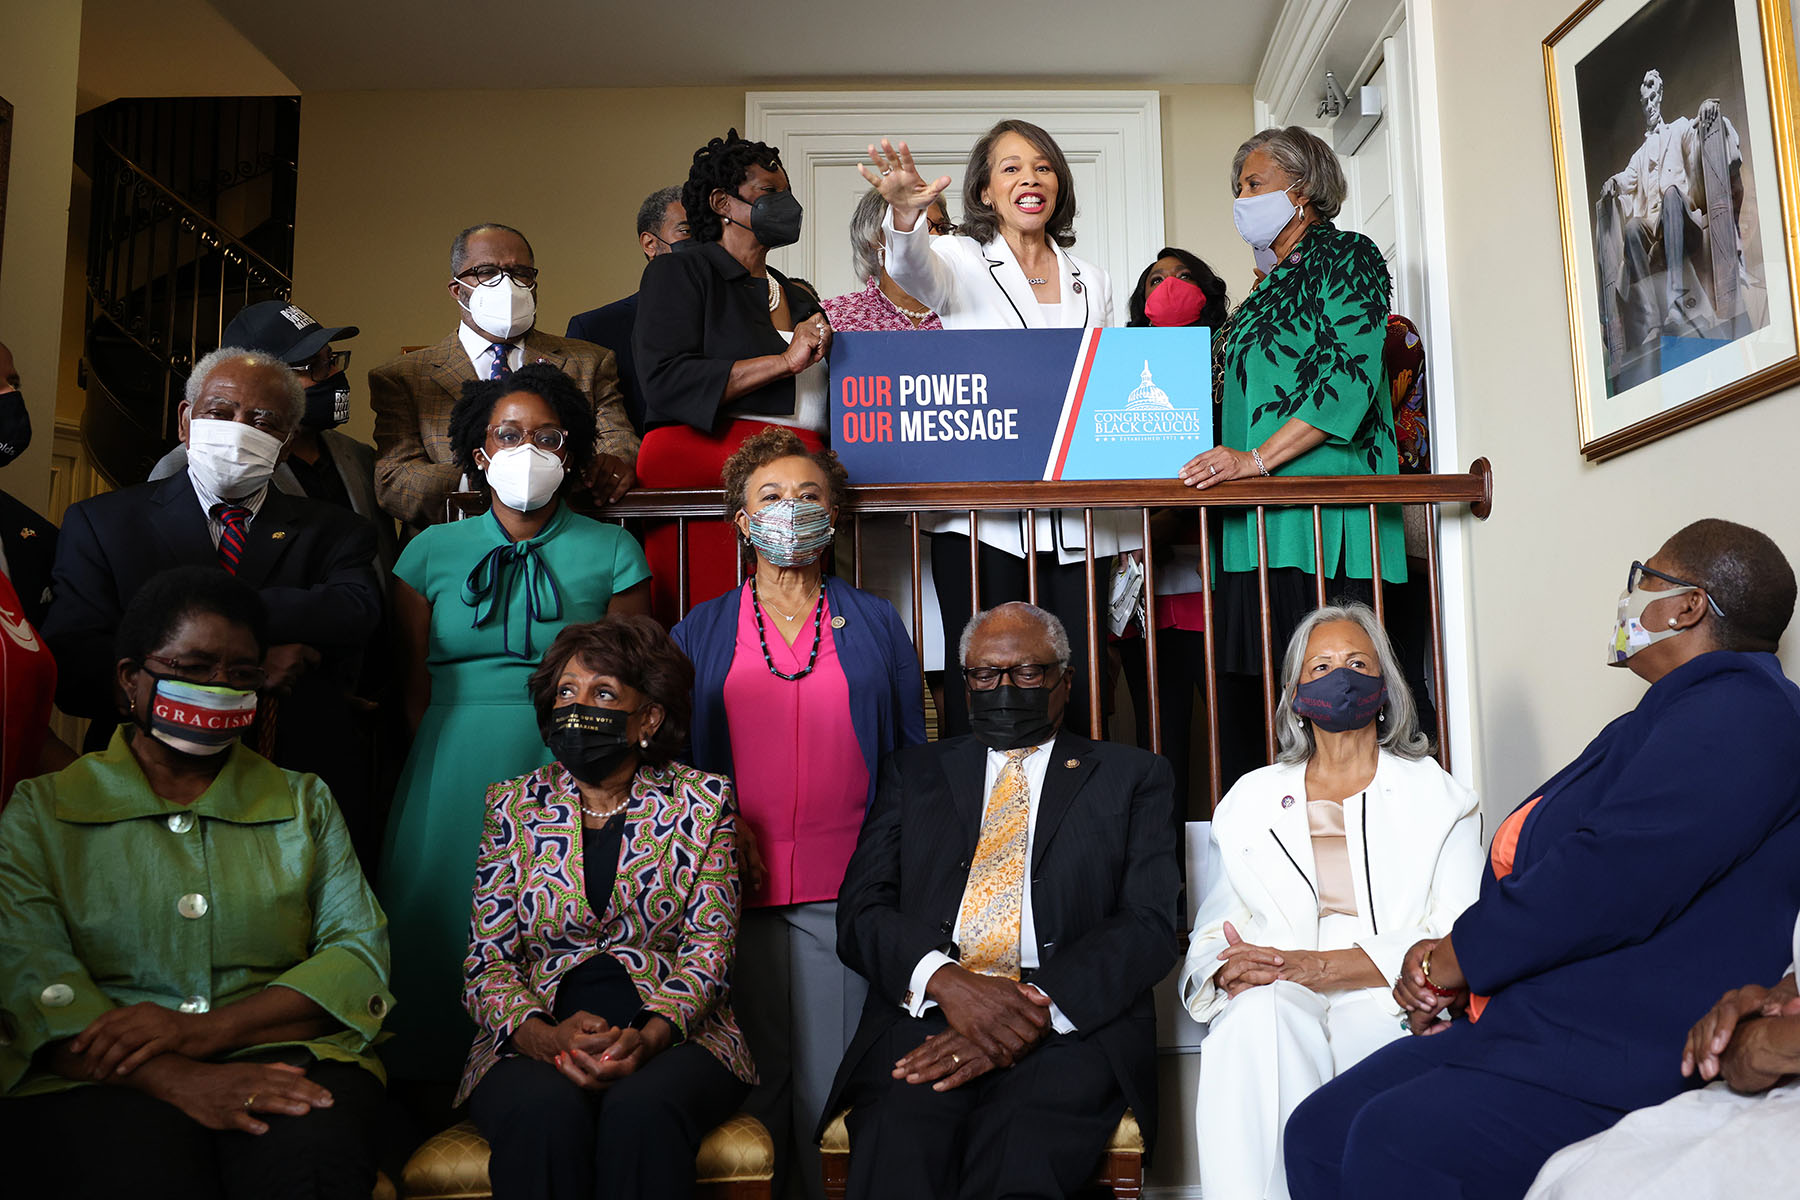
{"x":1147,"y":397}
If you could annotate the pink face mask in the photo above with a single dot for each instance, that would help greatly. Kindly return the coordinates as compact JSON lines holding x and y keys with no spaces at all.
{"x":1174,"y":302}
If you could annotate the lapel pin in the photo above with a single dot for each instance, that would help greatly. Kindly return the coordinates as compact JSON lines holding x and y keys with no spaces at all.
{"x":27,"y":532}
{"x":1072,"y":763}
{"x":1076,"y":287}
{"x":278,"y":535}
{"x":837,"y":622}
{"x":1287,"y":802}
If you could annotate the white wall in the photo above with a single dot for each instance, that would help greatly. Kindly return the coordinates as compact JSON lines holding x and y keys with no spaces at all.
{"x":1548,"y":566}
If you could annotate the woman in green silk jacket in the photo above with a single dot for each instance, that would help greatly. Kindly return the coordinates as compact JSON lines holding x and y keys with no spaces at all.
{"x":1304,"y":392}
{"x":188,"y":950}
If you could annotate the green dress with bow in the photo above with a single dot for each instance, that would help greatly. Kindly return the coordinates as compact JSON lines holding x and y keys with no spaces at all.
{"x":496,"y":605}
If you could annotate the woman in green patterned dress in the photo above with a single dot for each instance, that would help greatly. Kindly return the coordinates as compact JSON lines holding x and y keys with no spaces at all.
{"x":1304,"y":393}
{"x":476,"y":603}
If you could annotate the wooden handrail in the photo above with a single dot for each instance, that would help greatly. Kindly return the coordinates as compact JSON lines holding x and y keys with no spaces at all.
{"x":1474,"y":488}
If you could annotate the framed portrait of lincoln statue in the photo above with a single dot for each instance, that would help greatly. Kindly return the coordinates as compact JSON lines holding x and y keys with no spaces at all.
{"x":1673,"y":128}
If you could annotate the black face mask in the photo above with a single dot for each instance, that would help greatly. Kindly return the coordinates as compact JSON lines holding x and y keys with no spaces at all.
{"x":15,"y":426}
{"x":775,"y":219}
{"x":1008,"y":717}
{"x":590,"y":742}
{"x":327,"y":403}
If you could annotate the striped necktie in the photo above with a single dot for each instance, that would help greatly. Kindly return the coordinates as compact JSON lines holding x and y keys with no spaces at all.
{"x":994,"y":898}
{"x":499,"y":369}
{"x":234,"y":528}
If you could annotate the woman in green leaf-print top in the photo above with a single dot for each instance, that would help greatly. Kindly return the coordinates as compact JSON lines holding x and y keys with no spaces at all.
{"x":1304,"y":392}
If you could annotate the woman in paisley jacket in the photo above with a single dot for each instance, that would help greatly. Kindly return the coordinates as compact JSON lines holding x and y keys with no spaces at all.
{"x":1304,"y":393}
{"x":605,"y":918}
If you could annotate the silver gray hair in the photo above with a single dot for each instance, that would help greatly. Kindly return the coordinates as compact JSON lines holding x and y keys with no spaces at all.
{"x":1059,"y":637}
{"x":292,"y":390}
{"x":866,"y":236}
{"x":1400,"y":734}
{"x":1301,"y":154}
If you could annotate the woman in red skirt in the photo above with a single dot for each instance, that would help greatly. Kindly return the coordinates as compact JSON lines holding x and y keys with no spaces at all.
{"x":726,"y":346}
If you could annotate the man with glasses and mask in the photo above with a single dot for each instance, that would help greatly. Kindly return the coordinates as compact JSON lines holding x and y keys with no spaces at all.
{"x":312,"y":563}
{"x":320,"y":463}
{"x":1011,"y":901}
{"x":493,"y":281}
{"x":661,"y":223}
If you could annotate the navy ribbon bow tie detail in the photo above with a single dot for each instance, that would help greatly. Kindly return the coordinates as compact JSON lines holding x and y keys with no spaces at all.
{"x":490,"y":586}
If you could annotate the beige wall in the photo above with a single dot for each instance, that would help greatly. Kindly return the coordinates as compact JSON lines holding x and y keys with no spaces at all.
{"x":39,"y":80}
{"x":1548,"y":566}
{"x":387,"y":178}
{"x":169,"y":48}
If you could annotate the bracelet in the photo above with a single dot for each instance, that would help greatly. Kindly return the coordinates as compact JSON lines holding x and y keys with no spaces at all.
{"x":1257,"y":455}
{"x":1425,"y":968}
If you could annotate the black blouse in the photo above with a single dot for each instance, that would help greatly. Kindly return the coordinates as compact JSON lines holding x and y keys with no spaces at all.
{"x":700,"y":311}
{"x":600,"y":985}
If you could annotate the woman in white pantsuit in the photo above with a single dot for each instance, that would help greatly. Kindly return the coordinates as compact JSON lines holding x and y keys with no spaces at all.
{"x":1007,"y":266}
{"x":1326,"y":867}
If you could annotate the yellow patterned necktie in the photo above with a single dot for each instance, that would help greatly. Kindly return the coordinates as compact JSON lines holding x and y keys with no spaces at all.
{"x":992,"y":901}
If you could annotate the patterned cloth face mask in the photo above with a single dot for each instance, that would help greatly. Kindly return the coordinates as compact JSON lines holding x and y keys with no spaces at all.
{"x":791,"y":533}
{"x":197,"y":718}
{"x":1629,"y":634}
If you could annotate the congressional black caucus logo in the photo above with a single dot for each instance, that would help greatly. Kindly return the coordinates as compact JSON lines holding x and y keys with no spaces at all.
{"x":1148,"y":414}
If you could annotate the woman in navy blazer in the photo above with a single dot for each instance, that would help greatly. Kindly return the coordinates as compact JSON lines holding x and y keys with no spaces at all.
{"x":802,"y":684}
{"x":1654,"y":871}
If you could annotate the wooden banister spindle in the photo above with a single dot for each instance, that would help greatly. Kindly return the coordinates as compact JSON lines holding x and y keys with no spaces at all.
{"x":1268,"y":637}
{"x":1439,"y":701}
{"x":1093,"y":629}
{"x":1149,"y":634}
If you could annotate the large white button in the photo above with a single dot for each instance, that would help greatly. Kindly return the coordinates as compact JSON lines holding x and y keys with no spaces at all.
{"x":195,"y":1004}
{"x":58,"y":995}
{"x":191,"y":905}
{"x":181,"y":822}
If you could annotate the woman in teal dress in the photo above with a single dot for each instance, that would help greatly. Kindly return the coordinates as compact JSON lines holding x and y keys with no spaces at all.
{"x":476,"y":602}
{"x":1303,"y":393}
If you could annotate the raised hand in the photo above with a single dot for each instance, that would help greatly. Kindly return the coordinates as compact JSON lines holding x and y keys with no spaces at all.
{"x":897,"y":178}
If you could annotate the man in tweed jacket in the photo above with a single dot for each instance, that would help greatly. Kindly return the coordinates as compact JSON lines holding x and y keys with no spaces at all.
{"x":413,"y":394}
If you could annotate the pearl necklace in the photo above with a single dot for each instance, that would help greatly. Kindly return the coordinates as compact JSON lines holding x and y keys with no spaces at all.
{"x":915,"y":314}
{"x":774,"y":294}
{"x":606,"y":814}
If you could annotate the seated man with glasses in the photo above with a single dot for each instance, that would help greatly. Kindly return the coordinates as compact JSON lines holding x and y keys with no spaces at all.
{"x":493,"y":281}
{"x":1011,"y":901}
{"x":320,"y":462}
{"x":312,"y":564}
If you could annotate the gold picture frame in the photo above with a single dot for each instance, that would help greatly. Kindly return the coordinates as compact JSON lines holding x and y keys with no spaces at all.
{"x":1657,"y":347}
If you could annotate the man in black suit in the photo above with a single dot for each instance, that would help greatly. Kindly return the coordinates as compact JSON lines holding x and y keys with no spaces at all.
{"x":661,"y":222}
{"x":1011,"y":901}
{"x":312,"y":563}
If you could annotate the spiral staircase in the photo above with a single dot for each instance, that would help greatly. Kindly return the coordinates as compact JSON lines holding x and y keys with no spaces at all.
{"x":192,"y":219}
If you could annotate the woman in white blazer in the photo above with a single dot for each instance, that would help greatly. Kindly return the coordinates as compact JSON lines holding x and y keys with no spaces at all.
{"x":1324,"y":869}
{"x":1007,"y":267}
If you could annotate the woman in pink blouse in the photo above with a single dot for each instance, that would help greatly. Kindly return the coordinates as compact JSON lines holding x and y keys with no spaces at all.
{"x":802,"y":684}
{"x":883,"y":305}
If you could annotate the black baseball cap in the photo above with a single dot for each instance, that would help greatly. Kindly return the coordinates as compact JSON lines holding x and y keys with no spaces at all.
{"x":285,"y":330}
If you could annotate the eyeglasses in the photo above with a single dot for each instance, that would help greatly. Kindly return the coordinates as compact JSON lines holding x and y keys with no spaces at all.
{"x":942,"y":227}
{"x":487,"y":275}
{"x":1025,"y":675}
{"x":545,"y":437}
{"x":198,"y":669}
{"x":324,"y":365}
{"x":1639,"y":570}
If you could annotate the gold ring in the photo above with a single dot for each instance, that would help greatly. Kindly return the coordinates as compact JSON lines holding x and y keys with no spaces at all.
{"x":955,"y":1061}
{"x":250,"y":1101}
